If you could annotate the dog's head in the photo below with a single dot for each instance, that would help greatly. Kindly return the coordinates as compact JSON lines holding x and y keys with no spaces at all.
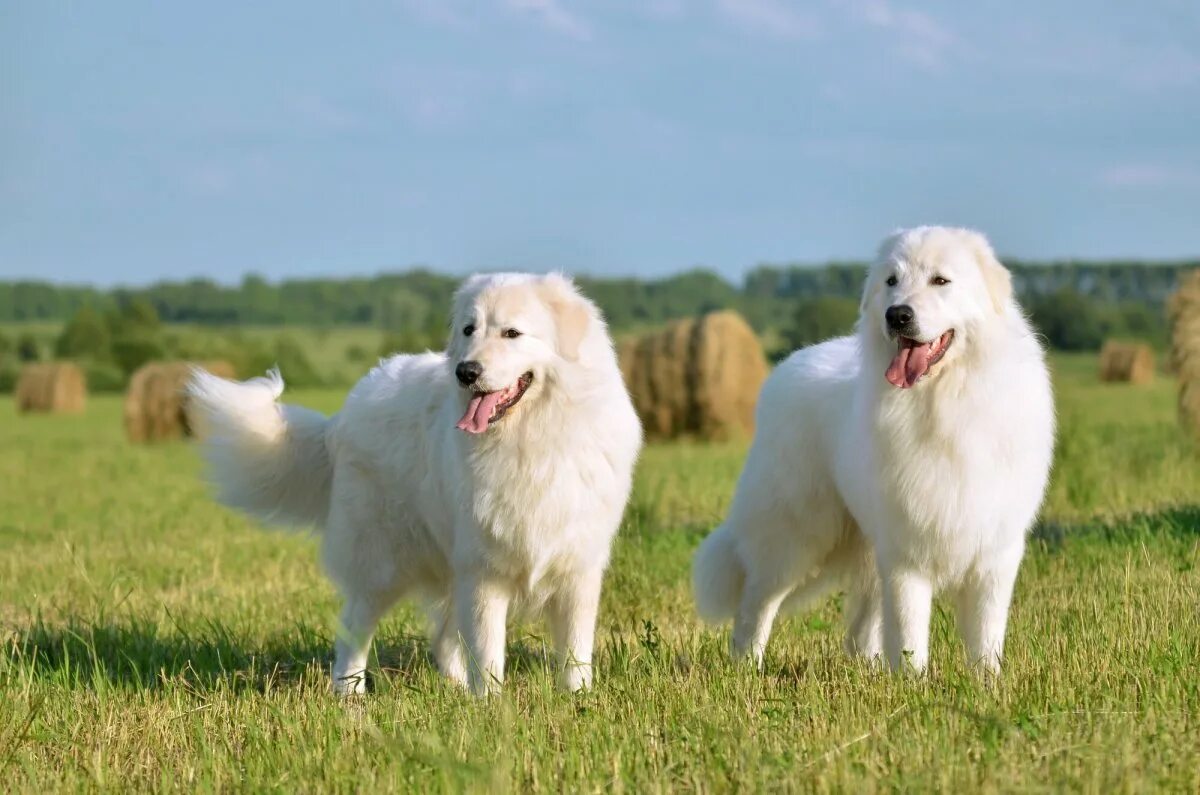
{"x":510,"y":338}
{"x":930,"y":294}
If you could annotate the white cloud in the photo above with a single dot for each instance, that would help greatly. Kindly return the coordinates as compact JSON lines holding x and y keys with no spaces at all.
{"x":324,"y":114}
{"x":207,"y":179}
{"x":771,"y":17}
{"x":1166,"y":68}
{"x":1136,"y":176}
{"x":919,"y":37}
{"x":661,"y":9}
{"x":554,"y":16}
{"x":441,"y":12}
{"x":435,"y":110}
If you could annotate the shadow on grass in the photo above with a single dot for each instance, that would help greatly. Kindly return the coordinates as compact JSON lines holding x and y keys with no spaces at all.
{"x":1181,"y":521}
{"x":142,"y":655}
{"x":211,"y":655}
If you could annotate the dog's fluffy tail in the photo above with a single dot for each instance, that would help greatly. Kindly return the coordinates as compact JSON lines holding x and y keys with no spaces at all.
{"x":265,"y":458}
{"x":717,"y":576}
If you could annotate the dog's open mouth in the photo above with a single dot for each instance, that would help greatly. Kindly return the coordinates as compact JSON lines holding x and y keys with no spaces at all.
{"x":485,"y":408}
{"x":914,"y":358}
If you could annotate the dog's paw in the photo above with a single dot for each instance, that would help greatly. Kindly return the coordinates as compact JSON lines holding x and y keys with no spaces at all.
{"x":576,"y":678}
{"x":352,"y":684}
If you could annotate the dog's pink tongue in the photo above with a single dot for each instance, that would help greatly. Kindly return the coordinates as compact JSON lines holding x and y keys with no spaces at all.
{"x":479,"y":412}
{"x":911,"y":362}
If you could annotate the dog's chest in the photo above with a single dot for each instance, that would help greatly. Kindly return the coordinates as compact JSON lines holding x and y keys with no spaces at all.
{"x":947,"y":480}
{"x":534,"y":508}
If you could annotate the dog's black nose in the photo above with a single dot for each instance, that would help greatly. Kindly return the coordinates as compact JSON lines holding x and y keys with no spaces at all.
{"x":468,"y":372}
{"x":898,"y":316}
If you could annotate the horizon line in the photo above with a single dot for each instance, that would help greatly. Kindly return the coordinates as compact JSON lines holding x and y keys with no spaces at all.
{"x":1161,"y":262}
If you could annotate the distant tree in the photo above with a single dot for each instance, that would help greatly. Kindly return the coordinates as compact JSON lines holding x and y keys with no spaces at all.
{"x":403,"y":311}
{"x":1069,"y":320}
{"x":6,"y":347}
{"x":131,"y":351}
{"x":1142,"y":322}
{"x":28,"y":349}
{"x":86,"y":336}
{"x":259,"y":301}
{"x":137,"y":335}
{"x":137,"y":316}
{"x":818,"y":319}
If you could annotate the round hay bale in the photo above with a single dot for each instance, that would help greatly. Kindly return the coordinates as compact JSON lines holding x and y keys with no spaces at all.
{"x":155,"y":408}
{"x":697,"y":377}
{"x":51,"y":388}
{"x":656,"y":370}
{"x":1183,"y":312}
{"x":1126,"y":362}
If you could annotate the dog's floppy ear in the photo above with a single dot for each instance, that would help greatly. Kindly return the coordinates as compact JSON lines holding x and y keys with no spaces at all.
{"x":572,"y":313}
{"x":995,"y":276}
{"x":887,"y":250}
{"x":460,"y":307}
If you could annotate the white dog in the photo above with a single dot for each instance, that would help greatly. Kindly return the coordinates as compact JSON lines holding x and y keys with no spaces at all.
{"x":489,"y":477}
{"x":904,"y":460}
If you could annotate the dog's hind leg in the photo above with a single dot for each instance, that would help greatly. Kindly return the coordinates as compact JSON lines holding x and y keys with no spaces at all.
{"x":864,"y":603}
{"x":864,"y":620}
{"x":445,"y":642}
{"x":755,"y":616}
{"x":792,"y":563}
{"x":356,"y":628}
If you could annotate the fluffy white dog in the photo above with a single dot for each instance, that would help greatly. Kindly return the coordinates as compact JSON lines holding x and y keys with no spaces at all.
{"x":489,"y":477}
{"x":904,"y":460}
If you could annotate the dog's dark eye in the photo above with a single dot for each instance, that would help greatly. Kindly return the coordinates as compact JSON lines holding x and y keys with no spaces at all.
{"x":468,"y":329}
{"x":511,"y":333}
{"x":939,"y":281}
{"x":892,"y":281}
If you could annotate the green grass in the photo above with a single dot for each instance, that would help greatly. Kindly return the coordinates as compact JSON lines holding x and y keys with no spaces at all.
{"x":152,"y":640}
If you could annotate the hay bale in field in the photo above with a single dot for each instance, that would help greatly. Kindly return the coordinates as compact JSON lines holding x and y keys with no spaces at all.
{"x":1126,"y":362}
{"x":698,"y":377}
{"x":52,"y":388}
{"x":1183,"y":312}
{"x":155,"y":407}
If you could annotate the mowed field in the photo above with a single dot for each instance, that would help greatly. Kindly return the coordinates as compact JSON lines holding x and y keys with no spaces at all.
{"x":153,"y":640}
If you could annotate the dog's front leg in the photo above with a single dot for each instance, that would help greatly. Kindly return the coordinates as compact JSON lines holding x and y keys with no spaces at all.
{"x":481,"y":602}
{"x":907,"y":604}
{"x":572,"y":618}
{"x":982,"y":605}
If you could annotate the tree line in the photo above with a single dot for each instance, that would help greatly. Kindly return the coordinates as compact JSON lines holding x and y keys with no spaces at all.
{"x":1076,"y":305}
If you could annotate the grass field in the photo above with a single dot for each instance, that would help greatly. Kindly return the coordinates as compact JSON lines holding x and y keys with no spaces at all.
{"x":152,"y":640}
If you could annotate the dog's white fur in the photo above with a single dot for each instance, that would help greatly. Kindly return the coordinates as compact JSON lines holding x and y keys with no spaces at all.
{"x":894,"y":493}
{"x":520,"y":516}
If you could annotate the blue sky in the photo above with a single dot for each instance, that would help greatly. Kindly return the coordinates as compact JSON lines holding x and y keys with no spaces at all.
{"x":148,"y":140}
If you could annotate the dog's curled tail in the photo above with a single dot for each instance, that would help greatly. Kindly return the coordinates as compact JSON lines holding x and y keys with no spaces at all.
{"x":265,"y":458}
{"x":717,"y":576}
